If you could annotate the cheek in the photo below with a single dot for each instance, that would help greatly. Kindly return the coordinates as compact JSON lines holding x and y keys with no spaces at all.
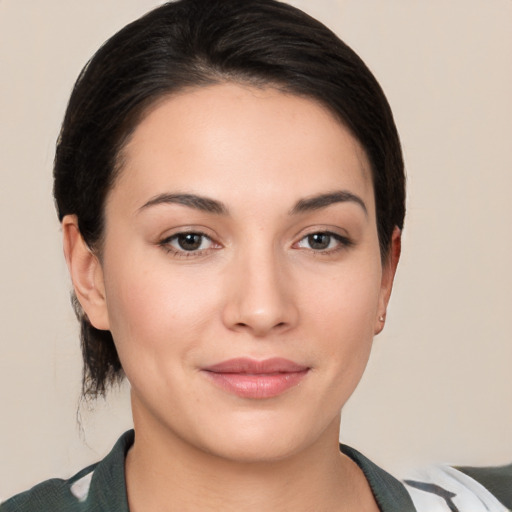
{"x":342,"y":311}
{"x":154,"y":310}
{"x":346,"y":299}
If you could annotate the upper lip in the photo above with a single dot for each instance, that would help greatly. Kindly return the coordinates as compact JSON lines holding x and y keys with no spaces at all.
{"x":255,"y":367}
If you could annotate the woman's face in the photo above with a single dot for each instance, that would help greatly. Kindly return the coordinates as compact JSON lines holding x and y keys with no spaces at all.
{"x":241,"y":272}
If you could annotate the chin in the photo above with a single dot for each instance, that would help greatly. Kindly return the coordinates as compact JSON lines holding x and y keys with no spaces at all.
{"x":267,"y":438}
{"x":254,"y":450}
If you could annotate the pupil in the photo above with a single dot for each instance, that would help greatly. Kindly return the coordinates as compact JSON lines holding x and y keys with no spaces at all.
{"x":319,"y":241}
{"x":190,"y":241}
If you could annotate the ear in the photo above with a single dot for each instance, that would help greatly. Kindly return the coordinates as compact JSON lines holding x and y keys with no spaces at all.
{"x":86,"y":274}
{"x":388,"y":276}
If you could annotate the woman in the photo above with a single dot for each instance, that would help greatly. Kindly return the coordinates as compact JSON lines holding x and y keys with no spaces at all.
{"x":231,"y":191}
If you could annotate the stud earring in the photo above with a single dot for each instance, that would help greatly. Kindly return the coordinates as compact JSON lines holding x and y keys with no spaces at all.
{"x":381,"y":318}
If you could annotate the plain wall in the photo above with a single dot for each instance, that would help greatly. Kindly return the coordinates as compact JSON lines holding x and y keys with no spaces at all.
{"x":438,"y":387}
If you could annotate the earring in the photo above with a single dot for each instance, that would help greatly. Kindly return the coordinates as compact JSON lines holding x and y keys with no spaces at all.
{"x":381,"y":318}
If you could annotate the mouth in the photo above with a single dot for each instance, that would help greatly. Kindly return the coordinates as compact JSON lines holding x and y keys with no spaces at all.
{"x":249,"y":378}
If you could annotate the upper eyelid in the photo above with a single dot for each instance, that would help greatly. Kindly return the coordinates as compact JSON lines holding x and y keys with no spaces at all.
{"x":322,"y":228}
{"x":332,"y":234}
{"x":174,"y":236}
{"x":184,"y":230}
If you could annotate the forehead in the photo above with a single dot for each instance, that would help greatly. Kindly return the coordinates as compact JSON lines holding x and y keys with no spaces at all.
{"x":228,"y":139}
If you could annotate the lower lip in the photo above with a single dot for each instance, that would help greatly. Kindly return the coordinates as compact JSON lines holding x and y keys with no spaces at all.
{"x":262,"y":385}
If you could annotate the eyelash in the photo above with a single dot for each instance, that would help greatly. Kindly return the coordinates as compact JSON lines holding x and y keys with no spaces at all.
{"x":342,"y":243}
{"x":183,"y":253}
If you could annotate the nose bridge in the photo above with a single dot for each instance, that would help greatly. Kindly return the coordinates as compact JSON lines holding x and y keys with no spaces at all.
{"x":262,"y":298}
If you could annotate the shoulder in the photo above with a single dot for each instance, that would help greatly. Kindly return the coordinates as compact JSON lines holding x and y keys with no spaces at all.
{"x":52,"y":495}
{"x":99,"y":487}
{"x":465,"y":489}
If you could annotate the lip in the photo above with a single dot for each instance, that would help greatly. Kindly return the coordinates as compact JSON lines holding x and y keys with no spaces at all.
{"x":249,"y":378}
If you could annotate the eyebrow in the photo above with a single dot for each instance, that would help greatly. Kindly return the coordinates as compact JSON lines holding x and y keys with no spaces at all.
{"x":323,"y":200}
{"x":209,"y":205}
{"x":202,"y":203}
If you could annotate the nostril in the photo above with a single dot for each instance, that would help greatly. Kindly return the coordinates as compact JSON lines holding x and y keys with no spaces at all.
{"x":243,"y":325}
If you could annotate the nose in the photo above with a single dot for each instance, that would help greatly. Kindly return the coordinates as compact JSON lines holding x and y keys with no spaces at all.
{"x":260,"y":299}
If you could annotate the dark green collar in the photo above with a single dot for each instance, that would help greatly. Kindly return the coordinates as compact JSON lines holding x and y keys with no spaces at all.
{"x":108,"y":485}
{"x":390,"y":494}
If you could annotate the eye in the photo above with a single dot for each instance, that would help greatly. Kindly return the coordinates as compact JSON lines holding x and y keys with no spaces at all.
{"x":187,"y":242}
{"x":324,"y":241}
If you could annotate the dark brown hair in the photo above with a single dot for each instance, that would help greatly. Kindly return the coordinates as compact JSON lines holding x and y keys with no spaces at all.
{"x":193,"y":43}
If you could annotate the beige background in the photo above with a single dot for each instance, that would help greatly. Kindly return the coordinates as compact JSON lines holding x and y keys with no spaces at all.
{"x":439,"y":385}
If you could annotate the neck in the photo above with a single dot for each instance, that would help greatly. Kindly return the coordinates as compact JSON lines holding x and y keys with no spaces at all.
{"x":164,"y":473}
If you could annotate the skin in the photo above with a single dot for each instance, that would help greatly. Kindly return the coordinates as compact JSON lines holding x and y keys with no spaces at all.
{"x":257,"y":287}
